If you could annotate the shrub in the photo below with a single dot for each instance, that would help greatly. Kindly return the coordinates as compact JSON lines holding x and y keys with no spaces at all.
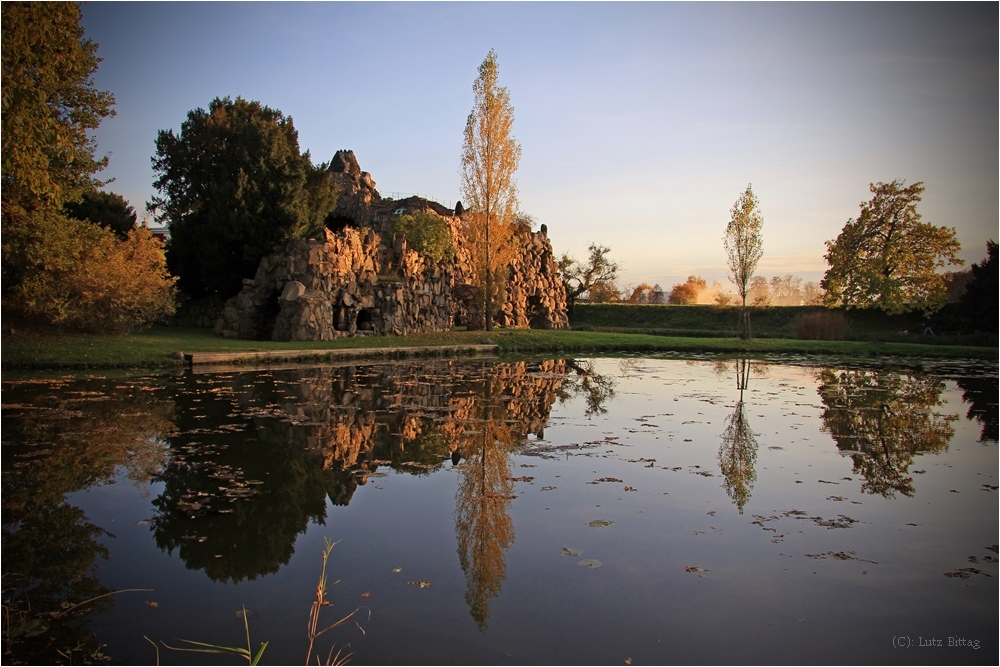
{"x":426,"y":233}
{"x":95,"y":282}
{"x":822,"y":325}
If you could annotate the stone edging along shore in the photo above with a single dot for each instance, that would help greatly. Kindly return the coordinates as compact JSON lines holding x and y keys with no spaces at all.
{"x":270,"y":356}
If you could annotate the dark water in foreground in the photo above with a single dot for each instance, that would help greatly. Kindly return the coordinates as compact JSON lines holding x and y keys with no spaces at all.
{"x":562,"y":511}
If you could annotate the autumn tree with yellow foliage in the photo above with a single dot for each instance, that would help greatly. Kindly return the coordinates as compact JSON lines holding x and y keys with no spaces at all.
{"x":888,"y":258}
{"x":490,"y":156}
{"x":58,"y":269}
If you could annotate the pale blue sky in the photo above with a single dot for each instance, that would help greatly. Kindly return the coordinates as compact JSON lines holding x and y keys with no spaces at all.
{"x":640,"y":124}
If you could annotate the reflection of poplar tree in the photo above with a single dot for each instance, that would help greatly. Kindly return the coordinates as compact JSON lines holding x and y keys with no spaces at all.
{"x":738,"y":451}
{"x":883,"y":419}
{"x":483,"y":527}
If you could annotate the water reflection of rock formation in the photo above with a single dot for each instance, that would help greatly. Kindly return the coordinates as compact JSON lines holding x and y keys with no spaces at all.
{"x":738,"y":451}
{"x":275,"y":445}
{"x":60,"y":438}
{"x":883,"y":419}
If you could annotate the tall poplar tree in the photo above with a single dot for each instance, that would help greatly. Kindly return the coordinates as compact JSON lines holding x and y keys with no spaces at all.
{"x":744,"y":245}
{"x":490,"y":156}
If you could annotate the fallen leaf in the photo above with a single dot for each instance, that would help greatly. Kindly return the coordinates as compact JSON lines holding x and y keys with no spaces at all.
{"x":589,"y":562}
{"x":366,"y":594}
{"x":421,"y":584}
{"x":600,"y":523}
{"x":571,"y":552}
{"x":397,"y":569}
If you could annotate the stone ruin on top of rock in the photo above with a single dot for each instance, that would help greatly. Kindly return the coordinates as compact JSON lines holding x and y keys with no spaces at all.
{"x":351,"y":283}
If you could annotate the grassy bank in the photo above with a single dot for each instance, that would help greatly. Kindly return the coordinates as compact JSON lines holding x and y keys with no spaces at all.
{"x":774,"y":322}
{"x":153,"y":348}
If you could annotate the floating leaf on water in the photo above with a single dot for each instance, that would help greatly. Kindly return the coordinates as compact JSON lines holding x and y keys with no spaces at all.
{"x":600,"y":523}
{"x":566,"y":551}
{"x":693,"y":569}
{"x":589,"y":562}
{"x":366,"y":594}
{"x":397,"y":569}
{"x":31,"y":628}
{"x":548,"y":488}
{"x":421,"y":584}
{"x":141,"y":522}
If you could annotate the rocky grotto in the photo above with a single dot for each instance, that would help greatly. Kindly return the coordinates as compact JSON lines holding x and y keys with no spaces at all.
{"x":351,"y":283}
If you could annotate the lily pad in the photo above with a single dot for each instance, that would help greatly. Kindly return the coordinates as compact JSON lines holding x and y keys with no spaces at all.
{"x":589,"y":562}
{"x":600,"y":523}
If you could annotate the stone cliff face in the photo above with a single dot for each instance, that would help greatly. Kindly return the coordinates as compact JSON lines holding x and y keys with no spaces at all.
{"x":357,"y":196}
{"x":351,"y":283}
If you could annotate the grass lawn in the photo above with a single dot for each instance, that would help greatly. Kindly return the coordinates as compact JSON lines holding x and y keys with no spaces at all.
{"x":28,"y":350}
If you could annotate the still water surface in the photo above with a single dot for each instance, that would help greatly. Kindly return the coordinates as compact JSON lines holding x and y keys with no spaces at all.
{"x":582,"y":511}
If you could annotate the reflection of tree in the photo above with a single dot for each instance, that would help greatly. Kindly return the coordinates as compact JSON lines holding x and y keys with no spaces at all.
{"x":595,"y":387}
{"x":483,"y":527}
{"x":242,"y":535}
{"x":981,"y":395}
{"x":250,"y":495}
{"x":738,"y":451}
{"x":259,"y":453}
{"x":883,"y":419}
{"x":744,"y":368}
{"x":54,"y":445}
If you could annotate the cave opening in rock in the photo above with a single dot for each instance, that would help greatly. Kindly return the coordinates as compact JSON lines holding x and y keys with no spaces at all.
{"x":336,"y":223}
{"x":266,"y":317}
{"x":536,"y":314}
{"x":365,"y":321}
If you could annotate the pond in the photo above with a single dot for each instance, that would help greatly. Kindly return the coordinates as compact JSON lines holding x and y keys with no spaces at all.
{"x":627,"y":510}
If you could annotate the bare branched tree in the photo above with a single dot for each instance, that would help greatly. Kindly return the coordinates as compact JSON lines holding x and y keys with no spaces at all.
{"x":580,"y":278}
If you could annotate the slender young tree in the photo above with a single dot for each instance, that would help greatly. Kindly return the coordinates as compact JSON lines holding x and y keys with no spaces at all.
{"x":744,"y":247}
{"x":490,"y":156}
